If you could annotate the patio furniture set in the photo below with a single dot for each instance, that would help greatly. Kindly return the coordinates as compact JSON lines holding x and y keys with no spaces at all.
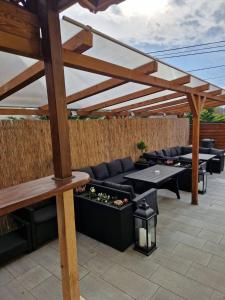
{"x":119,"y":180}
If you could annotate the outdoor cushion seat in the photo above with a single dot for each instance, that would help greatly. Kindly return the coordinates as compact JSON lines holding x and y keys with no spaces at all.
{"x":186,"y":150}
{"x":87,"y":170}
{"x":45,"y":214}
{"x":117,"y":179}
{"x":101,"y":171}
{"x":127,"y":164}
{"x":96,"y":181}
{"x":160,"y":153}
{"x":122,"y":187}
{"x":115,"y":167}
{"x":204,"y":150}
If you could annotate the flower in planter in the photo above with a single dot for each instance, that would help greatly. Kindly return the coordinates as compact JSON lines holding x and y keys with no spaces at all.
{"x":118,"y":202}
{"x":92,"y":192}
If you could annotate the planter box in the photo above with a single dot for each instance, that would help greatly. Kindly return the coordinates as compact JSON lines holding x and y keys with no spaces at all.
{"x":111,"y":225}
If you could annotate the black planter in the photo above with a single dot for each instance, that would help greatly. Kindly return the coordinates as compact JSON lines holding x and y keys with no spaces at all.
{"x":111,"y":225}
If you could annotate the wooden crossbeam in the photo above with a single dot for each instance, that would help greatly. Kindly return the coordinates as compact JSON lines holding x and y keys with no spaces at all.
{"x":134,"y":95}
{"x":19,"y":31}
{"x":107,"y":84}
{"x":80,"y":42}
{"x":159,"y":99}
{"x":97,"y":66}
{"x":22,"y":111}
{"x":167,"y":104}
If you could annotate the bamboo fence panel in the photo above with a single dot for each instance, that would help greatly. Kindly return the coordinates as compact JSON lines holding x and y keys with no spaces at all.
{"x":26,"y":151}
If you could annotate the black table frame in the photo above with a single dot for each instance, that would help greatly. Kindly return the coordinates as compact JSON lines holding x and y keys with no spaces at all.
{"x":168,"y":181}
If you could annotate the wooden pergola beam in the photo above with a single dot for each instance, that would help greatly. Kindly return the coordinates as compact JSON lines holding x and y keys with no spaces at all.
{"x":159,"y":99}
{"x":19,"y":31}
{"x":22,"y":111}
{"x":148,"y":68}
{"x":134,"y":95}
{"x":80,"y":43}
{"x":97,"y":66}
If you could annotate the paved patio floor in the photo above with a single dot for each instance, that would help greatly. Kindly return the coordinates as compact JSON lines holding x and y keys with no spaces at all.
{"x":188,"y":264}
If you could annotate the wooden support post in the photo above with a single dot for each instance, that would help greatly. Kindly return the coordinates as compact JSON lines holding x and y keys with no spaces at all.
{"x":66,"y":227}
{"x":52,"y":55}
{"x":195,"y":103}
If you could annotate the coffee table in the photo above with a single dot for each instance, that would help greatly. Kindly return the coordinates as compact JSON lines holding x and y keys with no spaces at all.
{"x":159,"y":177}
{"x":202,"y":157}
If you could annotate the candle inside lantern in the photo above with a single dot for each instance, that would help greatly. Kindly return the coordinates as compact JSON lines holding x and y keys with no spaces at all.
{"x":142,"y":237}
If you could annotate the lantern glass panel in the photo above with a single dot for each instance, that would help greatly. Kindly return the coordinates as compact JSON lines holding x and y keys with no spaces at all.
{"x":151,"y":232}
{"x":141,"y":230}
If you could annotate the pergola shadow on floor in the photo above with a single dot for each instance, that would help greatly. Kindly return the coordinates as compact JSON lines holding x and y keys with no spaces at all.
{"x":188,"y":264}
{"x":33,"y":30}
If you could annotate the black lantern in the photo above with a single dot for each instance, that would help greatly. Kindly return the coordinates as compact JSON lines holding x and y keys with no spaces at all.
{"x":145,"y":229}
{"x":202,"y":181}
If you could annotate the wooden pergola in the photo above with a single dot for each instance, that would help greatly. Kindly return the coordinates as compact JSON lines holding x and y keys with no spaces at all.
{"x":175,"y":93}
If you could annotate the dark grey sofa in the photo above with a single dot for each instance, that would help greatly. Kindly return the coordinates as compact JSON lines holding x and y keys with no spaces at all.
{"x":216,"y":165}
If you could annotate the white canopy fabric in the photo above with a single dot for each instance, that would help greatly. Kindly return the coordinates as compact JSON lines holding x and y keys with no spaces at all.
{"x":104,"y":48}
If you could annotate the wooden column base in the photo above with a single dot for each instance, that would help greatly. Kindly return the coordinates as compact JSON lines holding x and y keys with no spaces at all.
{"x":67,"y":242}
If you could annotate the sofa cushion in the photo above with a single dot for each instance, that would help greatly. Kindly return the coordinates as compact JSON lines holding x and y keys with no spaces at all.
{"x":186,"y":150}
{"x":150,"y":155}
{"x":87,"y":170}
{"x":218,"y":152}
{"x":178,"y":150}
{"x":160,"y":153}
{"x":122,"y":187}
{"x":44,"y":214}
{"x":173,"y":151}
{"x":95,"y":181}
{"x":119,"y":178}
{"x":167,"y":152}
{"x":101,"y":171}
{"x":115,"y":167}
{"x":204,"y":150}
{"x":127,"y":164}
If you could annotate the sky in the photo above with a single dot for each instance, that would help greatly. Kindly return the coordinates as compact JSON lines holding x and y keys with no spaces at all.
{"x":154,"y":25}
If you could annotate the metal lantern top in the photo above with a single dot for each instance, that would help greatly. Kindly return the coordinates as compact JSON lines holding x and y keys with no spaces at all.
{"x":144,"y":211}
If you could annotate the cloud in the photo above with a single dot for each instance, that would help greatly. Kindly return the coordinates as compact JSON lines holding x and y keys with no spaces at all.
{"x":161,"y":23}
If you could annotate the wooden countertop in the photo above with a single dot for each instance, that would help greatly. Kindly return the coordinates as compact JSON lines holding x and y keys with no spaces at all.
{"x":24,"y":194}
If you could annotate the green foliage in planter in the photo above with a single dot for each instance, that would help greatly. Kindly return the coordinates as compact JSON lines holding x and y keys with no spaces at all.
{"x":142,"y":146}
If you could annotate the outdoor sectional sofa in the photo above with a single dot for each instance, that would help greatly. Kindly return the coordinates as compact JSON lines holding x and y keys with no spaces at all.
{"x":174,"y":153}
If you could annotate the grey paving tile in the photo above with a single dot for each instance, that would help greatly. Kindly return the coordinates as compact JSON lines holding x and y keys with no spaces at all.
{"x":163,"y":294}
{"x":207,"y":277}
{"x":216,"y":249}
{"x":136,"y":262}
{"x":99,"y":264}
{"x":85,"y":254}
{"x":218,"y":296}
{"x":14,"y":291}
{"x":82,"y":272}
{"x":49,"y":289}
{"x":210,"y":236}
{"x":21,"y":265}
{"x":172,"y":262}
{"x":33,"y":277}
{"x":5,"y":276}
{"x":130,"y":283}
{"x":193,"y":254}
{"x":181,"y":285}
{"x":217,"y":263}
{"x":94,"y":288}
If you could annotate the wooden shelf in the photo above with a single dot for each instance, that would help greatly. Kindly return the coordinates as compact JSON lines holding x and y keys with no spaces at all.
{"x":24,"y":194}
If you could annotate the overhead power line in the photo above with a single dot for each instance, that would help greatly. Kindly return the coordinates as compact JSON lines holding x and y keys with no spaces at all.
{"x":206,"y":68}
{"x":193,"y":50}
{"x":192,"y":54}
{"x":185,"y":47}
